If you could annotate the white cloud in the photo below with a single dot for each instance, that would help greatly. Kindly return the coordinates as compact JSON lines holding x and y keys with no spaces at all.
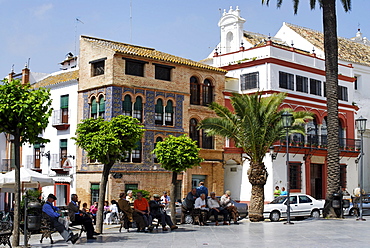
{"x":40,"y":11}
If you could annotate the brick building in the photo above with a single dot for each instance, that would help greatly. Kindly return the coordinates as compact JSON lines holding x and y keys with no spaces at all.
{"x":168,"y":94}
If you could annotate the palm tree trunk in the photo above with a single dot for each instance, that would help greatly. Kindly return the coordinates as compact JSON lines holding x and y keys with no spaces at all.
{"x":17,"y":195}
{"x":257,"y":175}
{"x":102,"y":188}
{"x":173,"y":194}
{"x":331,"y":69}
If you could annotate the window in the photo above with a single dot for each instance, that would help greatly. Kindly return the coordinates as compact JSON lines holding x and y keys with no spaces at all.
{"x":36,"y":152}
{"x":93,"y":108}
{"x":301,"y":84}
{"x":315,"y":87}
{"x":63,"y":151}
{"x":136,"y":153}
{"x":286,"y":80}
{"x":295,"y":175}
{"x":343,"y":176}
{"x":207,"y":141}
{"x":101,"y":107}
{"x":343,"y":93}
{"x":131,"y":186}
{"x":64,"y":107}
{"x":249,"y":81}
{"x":62,"y":194}
{"x":304,"y":199}
{"x":138,"y":109}
{"x":169,"y":114}
{"x":134,"y":67}
{"x":97,"y":67}
{"x":194,"y":91}
{"x":356,"y":83}
{"x":194,"y":132}
{"x":127,"y":106}
{"x":159,"y":112}
{"x":163,"y":72}
{"x":94,"y":192}
{"x":207,"y":92}
{"x":158,"y":139}
{"x":312,"y":132}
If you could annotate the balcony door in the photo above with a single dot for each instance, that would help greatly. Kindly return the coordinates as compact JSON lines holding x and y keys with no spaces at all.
{"x":316,"y":180}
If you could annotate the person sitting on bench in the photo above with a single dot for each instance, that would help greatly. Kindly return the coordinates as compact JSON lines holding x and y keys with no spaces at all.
{"x":53,"y":214}
{"x":78,"y":218}
{"x":157,"y":211}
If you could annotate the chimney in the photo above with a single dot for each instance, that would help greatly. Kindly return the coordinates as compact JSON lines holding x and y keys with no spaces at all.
{"x":11,"y":74}
{"x":25,"y":75}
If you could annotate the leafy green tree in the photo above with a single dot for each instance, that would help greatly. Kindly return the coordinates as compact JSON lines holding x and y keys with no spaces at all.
{"x":177,"y":154}
{"x":107,"y":142}
{"x":254,"y":126}
{"x":24,"y":113}
{"x":331,"y":79}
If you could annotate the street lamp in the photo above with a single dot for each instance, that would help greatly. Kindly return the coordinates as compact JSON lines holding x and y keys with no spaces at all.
{"x":361,"y":127}
{"x":287,"y":119}
{"x":273,"y":154}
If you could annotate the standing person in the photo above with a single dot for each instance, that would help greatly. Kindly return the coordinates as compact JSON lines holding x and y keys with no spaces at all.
{"x":188,"y":204}
{"x":216,"y":209}
{"x":78,"y":218}
{"x":141,"y":207}
{"x":94,"y":210}
{"x":157,"y":211}
{"x":130,"y":197}
{"x":201,"y":189}
{"x":229,"y":206}
{"x":51,"y":211}
{"x":277,"y":192}
{"x":165,"y":200}
{"x":283,"y":192}
{"x":201,"y":206}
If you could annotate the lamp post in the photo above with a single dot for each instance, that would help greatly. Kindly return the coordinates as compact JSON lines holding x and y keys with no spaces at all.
{"x":361,"y":127}
{"x":287,"y":119}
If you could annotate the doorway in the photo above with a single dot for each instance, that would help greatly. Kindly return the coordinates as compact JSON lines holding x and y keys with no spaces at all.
{"x":316,"y":180}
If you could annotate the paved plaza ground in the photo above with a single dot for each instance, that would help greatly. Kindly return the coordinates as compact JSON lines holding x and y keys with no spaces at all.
{"x":346,"y":232}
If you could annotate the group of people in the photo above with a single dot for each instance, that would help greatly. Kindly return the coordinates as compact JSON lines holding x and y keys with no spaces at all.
{"x":76,"y":216}
{"x":197,"y":205}
{"x":278,"y":192}
{"x":142,"y":212}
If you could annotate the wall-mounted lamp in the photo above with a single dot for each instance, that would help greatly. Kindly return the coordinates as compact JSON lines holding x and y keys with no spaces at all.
{"x":70,"y":156}
{"x":43,"y":153}
{"x":273,"y":154}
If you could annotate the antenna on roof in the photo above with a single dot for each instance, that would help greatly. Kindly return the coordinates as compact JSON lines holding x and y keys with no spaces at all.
{"x":77,"y":21}
{"x":131,"y":21}
{"x":13,"y":68}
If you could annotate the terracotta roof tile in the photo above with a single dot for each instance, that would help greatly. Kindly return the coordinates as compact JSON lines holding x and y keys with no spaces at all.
{"x":57,"y":78}
{"x":146,"y":52}
{"x":348,"y":50}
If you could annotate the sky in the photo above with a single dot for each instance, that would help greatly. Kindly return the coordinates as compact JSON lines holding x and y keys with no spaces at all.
{"x":45,"y":31}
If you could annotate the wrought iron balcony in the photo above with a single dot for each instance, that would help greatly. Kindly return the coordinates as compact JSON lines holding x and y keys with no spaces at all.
{"x":61,"y":119}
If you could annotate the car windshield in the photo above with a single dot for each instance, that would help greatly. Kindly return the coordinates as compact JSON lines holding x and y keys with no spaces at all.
{"x":279,"y":200}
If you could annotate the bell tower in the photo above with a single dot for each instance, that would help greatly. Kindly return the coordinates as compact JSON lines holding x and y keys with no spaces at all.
{"x":231,"y":27}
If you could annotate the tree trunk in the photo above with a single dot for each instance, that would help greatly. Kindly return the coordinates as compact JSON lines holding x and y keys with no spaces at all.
{"x":257,"y":175}
{"x":17,"y":195}
{"x":173,"y":194}
{"x":331,"y":69}
{"x":102,"y":189}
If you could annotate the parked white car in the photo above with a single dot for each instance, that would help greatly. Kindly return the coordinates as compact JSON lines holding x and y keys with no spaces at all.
{"x":301,"y":205}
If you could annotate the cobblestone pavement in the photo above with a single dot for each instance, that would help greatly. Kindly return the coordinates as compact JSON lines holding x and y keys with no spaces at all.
{"x":306,"y":233}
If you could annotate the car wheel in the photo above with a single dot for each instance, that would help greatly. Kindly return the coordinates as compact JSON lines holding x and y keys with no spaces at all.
{"x":275,"y":216}
{"x":188,"y":219}
{"x":315,"y":214}
{"x":354,"y":212}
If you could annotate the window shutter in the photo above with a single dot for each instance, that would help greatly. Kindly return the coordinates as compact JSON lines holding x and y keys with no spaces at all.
{"x":64,"y":101}
{"x":63,"y":143}
{"x":101,"y":105}
{"x":159,"y":106}
{"x":94,"y":106}
{"x":138,"y":104}
{"x":127,"y":103}
{"x":36,"y":146}
{"x":169,"y":108}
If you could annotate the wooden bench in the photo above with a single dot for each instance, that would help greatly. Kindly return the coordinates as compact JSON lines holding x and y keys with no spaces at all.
{"x":6,"y":230}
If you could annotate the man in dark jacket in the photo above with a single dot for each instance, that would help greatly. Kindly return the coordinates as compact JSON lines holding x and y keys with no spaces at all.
{"x":188,"y":204}
{"x":78,"y":218}
{"x":157,"y":211}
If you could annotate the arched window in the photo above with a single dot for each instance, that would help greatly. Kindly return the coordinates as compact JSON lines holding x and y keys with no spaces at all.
{"x":312,"y":132}
{"x":207,"y":92}
{"x":101,"y":107}
{"x":138,"y":109}
{"x":207,"y":141}
{"x":193,"y":131}
{"x":159,"y":112}
{"x":229,"y":41}
{"x":194,"y":91}
{"x":93,"y":108}
{"x":169,"y":113}
{"x":158,"y":139}
{"x":127,"y":106}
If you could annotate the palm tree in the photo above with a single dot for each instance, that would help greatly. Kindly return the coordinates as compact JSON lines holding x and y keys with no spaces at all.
{"x":331,"y":70}
{"x":254,"y":126}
